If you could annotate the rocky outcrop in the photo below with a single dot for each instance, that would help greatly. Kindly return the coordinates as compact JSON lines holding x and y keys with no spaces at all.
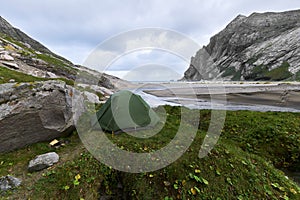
{"x":34,"y":112}
{"x":43,"y":161}
{"x":263,"y":46}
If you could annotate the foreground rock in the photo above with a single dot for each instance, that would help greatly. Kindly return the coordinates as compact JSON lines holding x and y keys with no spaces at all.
{"x":9,"y":182}
{"x":43,"y":161}
{"x":34,"y":112}
{"x":263,"y":46}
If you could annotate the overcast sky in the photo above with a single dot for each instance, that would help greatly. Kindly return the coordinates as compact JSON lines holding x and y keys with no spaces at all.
{"x":74,"y":28}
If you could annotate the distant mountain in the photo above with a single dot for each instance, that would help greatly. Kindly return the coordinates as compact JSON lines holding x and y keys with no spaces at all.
{"x":263,"y":46}
{"x":21,"y":53}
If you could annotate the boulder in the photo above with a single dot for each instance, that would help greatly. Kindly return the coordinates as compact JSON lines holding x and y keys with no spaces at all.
{"x":43,"y":161}
{"x":35,"y":112}
{"x":9,"y":182}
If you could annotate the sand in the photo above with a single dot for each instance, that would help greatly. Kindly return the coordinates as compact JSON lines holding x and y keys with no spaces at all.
{"x":285,"y":95}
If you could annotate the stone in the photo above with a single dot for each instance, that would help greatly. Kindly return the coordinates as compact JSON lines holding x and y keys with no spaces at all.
{"x":35,"y":112}
{"x":11,"y":65}
{"x":43,"y":161}
{"x":247,"y":45}
{"x":6,"y":57}
{"x":91,"y":97}
{"x":9,"y":182}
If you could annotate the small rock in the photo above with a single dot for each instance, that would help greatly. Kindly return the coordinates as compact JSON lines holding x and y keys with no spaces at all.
{"x":11,"y":65}
{"x":9,"y":182}
{"x":43,"y":161}
{"x":12,"y":80}
{"x":51,"y":75}
{"x":13,"y":97}
{"x":91,"y":97}
{"x":167,"y":183}
{"x":6,"y":57}
{"x":27,"y":45}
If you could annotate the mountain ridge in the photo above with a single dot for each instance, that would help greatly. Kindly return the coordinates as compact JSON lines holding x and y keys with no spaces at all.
{"x":249,"y":48}
{"x":17,"y":34}
{"x":21,"y":53}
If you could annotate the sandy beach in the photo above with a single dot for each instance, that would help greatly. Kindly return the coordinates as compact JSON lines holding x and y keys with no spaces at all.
{"x":283,"y":96}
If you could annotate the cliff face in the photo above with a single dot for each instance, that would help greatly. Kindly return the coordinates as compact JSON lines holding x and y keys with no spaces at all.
{"x":263,"y":46}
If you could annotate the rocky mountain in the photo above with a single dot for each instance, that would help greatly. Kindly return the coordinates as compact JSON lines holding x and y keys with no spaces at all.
{"x":262,"y":46}
{"x":36,"y":89}
{"x":18,"y":35}
{"x":21,"y":53}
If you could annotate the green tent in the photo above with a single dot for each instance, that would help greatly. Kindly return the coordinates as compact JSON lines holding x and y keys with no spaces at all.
{"x":125,"y":110}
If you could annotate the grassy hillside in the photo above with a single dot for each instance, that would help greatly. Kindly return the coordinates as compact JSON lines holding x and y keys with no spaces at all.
{"x":241,"y":166}
{"x":7,"y":74}
{"x":52,"y":62}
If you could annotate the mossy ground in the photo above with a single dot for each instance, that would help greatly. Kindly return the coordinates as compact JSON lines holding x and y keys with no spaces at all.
{"x":241,"y":166}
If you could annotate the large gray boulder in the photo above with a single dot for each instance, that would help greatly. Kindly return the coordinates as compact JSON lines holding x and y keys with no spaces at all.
{"x":9,"y":182}
{"x":34,"y":112}
{"x":43,"y":161}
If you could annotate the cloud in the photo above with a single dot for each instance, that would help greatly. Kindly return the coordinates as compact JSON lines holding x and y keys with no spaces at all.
{"x":73,"y":28}
{"x":152,"y":72}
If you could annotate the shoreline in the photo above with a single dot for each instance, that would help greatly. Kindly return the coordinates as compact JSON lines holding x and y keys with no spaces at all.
{"x":274,"y":96}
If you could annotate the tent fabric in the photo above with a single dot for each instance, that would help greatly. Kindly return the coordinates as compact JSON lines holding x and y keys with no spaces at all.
{"x":125,"y":110}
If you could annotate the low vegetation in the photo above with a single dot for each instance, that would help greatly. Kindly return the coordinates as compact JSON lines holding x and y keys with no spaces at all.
{"x":262,"y":72}
{"x":241,"y":166}
{"x":7,"y":74}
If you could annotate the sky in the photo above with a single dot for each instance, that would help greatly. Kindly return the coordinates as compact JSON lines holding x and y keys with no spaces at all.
{"x":76,"y":29}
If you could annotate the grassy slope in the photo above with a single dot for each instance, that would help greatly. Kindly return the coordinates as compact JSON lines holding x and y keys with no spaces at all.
{"x":8,"y":74}
{"x":59,"y":64}
{"x":239,"y":167}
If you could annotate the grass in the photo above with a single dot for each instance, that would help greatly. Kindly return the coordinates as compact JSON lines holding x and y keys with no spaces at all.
{"x":262,"y":72}
{"x":280,"y":73}
{"x":8,"y":74}
{"x":297,"y":76}
{"x":58,"y":63}
{"x":241,"y":166}
{"x":229,"y":72}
